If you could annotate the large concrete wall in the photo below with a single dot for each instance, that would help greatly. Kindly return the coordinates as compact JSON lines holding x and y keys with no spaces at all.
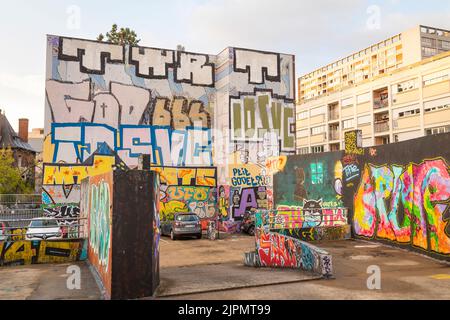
{"x":397,"y":194}
{"x":234,"y":110}
{"x":124,"y":233}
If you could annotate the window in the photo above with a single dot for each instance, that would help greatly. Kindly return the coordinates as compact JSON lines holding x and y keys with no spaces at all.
{"x":347,"y":102}
{"x":436,"y":77}
{"x":317,"y":130}
{"x":304,"y":150}
{"x":406,"y":86}
{"x":437,"y":108}
{"x":347,"y":124}
{"x":364,"y":119}
{"x":437,"y":130}
{"x":428,"y":42}
{"x":445,"y":45}
{"x":302,"y":115}
{"x":428,"y":52}
{"x":303,"y":133}
{"x":362,"y":98}
{"x":317,"y":171}
{"x":318,"y":111}
{"x":409,"y":113}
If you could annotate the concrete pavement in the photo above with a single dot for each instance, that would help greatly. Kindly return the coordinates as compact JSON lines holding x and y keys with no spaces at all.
{"x":204,"y":269}
{"x":404,"y":275}
{"x":46,"y":282}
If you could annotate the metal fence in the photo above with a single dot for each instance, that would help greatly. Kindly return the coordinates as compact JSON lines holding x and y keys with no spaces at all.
{"x":34,"y":226}
{"x":20,"y":199}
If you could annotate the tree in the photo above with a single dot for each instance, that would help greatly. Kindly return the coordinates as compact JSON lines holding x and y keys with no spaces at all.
{"x":122,"y":37}
{"x":11,"y":181}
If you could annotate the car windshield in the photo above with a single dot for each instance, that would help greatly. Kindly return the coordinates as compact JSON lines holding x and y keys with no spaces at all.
{"x":187,"y":217}
{"x":43,"y":224}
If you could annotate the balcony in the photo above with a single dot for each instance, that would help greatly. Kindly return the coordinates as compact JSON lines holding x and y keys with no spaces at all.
{"x":380,"y":104}
{"x":381,"y":126}
{"x":333,"y":115}
{"x":334,"y":135}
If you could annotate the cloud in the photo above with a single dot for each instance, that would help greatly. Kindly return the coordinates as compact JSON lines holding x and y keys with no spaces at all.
{"x":317,"y":32}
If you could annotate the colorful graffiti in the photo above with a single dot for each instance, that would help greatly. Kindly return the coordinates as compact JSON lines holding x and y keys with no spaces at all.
{"x":309,"y":177}
{"x":100,"y":222}
{"x":38,"y":252}
{"x":277,"y":250}
{"x":165,"y":104}
{"x":67,"y":214}
{"x":405,"y":204}
{"x":194,"y":177}
{"x":245,"y":199}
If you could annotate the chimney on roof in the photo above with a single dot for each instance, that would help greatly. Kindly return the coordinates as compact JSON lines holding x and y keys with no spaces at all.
{"x":23,"y":129}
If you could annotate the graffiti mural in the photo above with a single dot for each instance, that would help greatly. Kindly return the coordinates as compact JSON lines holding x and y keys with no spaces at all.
{"x":100,"y":208}
{"x":173,"y":106}
{"x":308,"y":180}
{"x":274,"y":249}
{"x":405,"y":204}
{"x":42,"y":251}
{"x":245,"y":199}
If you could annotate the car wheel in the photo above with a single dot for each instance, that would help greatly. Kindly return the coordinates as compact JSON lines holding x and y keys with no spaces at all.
{"x":199,"y":236}
{"x":251,"y":231}
{"x":172,"y":235}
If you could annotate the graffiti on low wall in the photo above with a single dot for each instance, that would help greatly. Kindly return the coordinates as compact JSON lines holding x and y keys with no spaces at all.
{"x":274,"y":249}
{"x":41,"y":251}
{"x":318,"y":233}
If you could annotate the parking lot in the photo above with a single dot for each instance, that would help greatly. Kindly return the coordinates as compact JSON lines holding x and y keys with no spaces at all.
{"x":205,"y":269}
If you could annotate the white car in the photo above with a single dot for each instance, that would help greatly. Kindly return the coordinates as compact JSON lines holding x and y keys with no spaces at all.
{"x":44,"y":229}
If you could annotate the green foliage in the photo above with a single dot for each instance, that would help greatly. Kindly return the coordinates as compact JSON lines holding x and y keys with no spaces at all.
{"x":122,"y":37}
{"x":11,"y":181}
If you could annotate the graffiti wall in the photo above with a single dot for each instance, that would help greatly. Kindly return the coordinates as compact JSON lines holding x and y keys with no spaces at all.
{"x":170,"y":105}
{"x":398,"y":194}
{"x":310,"y":182}
{"x":402,"y":195}
{"x":100,"y":210}
{"x":123,"y":231}
{"x":42,"y":251}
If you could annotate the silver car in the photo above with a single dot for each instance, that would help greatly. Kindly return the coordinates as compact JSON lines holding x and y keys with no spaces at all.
{"x":183,"y":225}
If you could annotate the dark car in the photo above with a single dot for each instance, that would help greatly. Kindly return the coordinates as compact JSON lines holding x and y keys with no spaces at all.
{"x":183,"y":225}
{"x":248,"y":223}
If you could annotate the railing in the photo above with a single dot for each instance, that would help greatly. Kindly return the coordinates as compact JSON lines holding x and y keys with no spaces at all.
{"x":10,"y":199}
{"x":380,"y":104}
{"x":334,"y":135}
{"x":333,"y":115}
{"x":23,"y":224}
{"x":381,"y":126}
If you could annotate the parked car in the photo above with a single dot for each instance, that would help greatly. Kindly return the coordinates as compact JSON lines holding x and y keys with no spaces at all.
{"x":44,"y":229}
{"x":5,"y":231}
{"x":248,"y":223}
{"x":183,"y":225}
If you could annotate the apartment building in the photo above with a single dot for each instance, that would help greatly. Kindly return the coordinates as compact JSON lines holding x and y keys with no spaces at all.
{"x":395,"y":90}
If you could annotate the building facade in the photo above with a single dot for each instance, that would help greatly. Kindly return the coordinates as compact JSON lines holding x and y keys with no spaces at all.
{"x":396,"y":90}
{"x":24,"y":155}
{"x":209,"y":123}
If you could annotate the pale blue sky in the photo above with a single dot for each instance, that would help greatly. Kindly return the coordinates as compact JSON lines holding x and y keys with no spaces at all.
{"x":317,"y":32}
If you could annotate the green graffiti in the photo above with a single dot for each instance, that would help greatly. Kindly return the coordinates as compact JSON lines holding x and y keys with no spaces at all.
{"x":99,"y":233}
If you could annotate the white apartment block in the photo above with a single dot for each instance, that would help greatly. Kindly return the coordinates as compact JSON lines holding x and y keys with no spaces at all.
{"x":396,"y":90}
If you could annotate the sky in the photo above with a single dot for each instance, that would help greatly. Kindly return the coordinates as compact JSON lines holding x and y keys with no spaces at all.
{"x":316,"y":32}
